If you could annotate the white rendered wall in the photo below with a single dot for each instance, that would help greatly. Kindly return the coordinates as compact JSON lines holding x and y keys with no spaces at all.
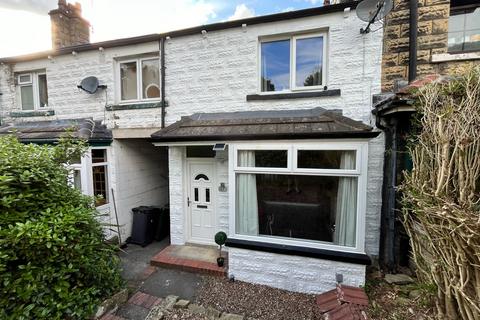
{"x":64,"y":73}
{"x":293,"y":273}
{"x":141,"y":178}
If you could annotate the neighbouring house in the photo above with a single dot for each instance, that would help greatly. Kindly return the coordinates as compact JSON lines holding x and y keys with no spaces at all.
{"x":444,"y":38}
{"x":260,"y":127}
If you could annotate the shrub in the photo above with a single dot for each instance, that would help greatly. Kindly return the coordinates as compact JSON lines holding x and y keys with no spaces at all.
{"x":441,"y":195}
{"x":53,"y":260}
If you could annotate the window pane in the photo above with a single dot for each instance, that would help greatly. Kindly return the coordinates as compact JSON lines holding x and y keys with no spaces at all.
{"x":27,"y":97}
{"x":100,"y":187}
{"x":326,"y":159}
{"x":456,"y":23}
{"x":150,"y":79}
{"x":472,"y":20}
{"x":472,"y":40}
{"x":455,"y":41}
{"x":262,"y":158}
{"x":311,"y":208}
{"x":128,"y":76}
{"x":275,"y":65}
{"x":42,"y":90}
{"x":25,"y":78}
{"x":99,"y":155}
{"x":77,"y":180}
{"x":308,"y":62}
{"x":207,"y":195}
{"x":196,"y":194}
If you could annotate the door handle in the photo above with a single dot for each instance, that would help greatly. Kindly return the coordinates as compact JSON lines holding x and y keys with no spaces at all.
{"x":188,"y":201}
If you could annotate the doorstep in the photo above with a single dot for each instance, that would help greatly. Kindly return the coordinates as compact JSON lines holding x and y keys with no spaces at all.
{"x":198,"y":259}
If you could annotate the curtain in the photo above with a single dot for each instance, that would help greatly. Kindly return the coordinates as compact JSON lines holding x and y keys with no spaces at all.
{"x":346,"y":213}
{"x":247,"y":207}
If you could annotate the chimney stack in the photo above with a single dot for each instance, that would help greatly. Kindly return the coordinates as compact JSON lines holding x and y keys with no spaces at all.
{"x":68,"y":26}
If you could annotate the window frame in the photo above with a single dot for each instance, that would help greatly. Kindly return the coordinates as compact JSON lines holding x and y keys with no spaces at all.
{"x":139,"y":79}
{"x":360,"y":147}
{"x":86,"y":173}
{"x":292,"y":78}
{"x":34,"y":83}
{"x":461,"y":10}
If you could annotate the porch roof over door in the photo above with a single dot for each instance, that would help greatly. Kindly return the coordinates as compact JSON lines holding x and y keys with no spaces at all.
{"x":317,"y":123}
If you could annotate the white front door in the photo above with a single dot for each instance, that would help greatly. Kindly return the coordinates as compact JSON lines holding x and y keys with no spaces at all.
{"x":200,"y":201}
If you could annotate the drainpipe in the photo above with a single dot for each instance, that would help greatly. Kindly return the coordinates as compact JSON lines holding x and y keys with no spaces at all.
{"x":412,"y":58}
{"x":162,"y":78}
{"x":392,"y":197}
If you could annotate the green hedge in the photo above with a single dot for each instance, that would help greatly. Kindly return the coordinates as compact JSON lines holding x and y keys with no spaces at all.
{"x":53,"y":260}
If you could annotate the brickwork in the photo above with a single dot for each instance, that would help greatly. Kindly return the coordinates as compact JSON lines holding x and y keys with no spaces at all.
{"x":432,"y":39}
{"x":68,"y":26}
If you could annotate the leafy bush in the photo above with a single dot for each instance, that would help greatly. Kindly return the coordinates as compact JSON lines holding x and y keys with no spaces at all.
{"x":53,"y":260}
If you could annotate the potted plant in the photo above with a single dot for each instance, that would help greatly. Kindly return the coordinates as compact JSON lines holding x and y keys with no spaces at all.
{"x":220,"y":239}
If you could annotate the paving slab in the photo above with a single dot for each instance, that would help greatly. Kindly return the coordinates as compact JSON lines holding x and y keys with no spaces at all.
{"x":135,"y":259}
{"x":132,"y":312}
{"x":207,"y":254}
{"x":165,"y":282}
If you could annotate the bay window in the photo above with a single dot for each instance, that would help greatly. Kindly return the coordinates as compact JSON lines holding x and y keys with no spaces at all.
{"x":293,"y":63}
{"x":301,"y":194}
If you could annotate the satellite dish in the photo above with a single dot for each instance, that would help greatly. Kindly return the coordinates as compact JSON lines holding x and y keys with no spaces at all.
{"x":90,"y":85}
{"x":373,"y":10}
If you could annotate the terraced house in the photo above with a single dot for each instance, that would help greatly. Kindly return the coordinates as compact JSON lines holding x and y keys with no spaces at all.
{"x":260,"y":127}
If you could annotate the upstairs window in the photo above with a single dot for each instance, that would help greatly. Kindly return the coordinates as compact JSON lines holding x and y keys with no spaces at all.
{"x":293,"y":63}
{"x":464,"y":26}
{"x":33,"y":90}
{"x":139,"y":79}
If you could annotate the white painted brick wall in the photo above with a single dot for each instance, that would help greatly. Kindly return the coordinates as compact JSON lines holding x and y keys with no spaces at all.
{"x":176,"y":175}
{"x":141,"y":178}
{"x":294,"y":273}
{"x":215,"y":73}
{"x":64,"y":73}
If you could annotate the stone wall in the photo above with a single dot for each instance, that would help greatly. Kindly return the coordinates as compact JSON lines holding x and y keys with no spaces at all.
{"x":432,"y":42}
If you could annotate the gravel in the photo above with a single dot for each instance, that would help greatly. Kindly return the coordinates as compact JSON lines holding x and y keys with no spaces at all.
{"x":256,"y":301}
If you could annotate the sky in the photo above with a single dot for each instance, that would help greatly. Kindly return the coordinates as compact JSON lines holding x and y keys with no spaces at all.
{"x":25,"y":24}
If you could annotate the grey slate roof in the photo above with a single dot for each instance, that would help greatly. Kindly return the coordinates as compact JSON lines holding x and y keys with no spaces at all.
{"x":51,"y":131}
{"x":270,"y":124}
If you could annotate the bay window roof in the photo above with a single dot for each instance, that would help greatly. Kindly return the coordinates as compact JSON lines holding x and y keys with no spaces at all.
{"x":51,"y":131}
{"x":314,"y":123}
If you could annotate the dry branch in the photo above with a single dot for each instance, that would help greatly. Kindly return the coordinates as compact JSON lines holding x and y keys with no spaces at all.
{"x":441,"y":197}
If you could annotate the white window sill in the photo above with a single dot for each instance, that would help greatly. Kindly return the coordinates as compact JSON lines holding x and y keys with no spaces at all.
{"x":446,"y":57}
{"x":293,"y":94}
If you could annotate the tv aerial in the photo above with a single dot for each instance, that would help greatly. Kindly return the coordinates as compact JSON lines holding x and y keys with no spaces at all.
{"x":91,"y":85}
{"x":373,"y":10}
